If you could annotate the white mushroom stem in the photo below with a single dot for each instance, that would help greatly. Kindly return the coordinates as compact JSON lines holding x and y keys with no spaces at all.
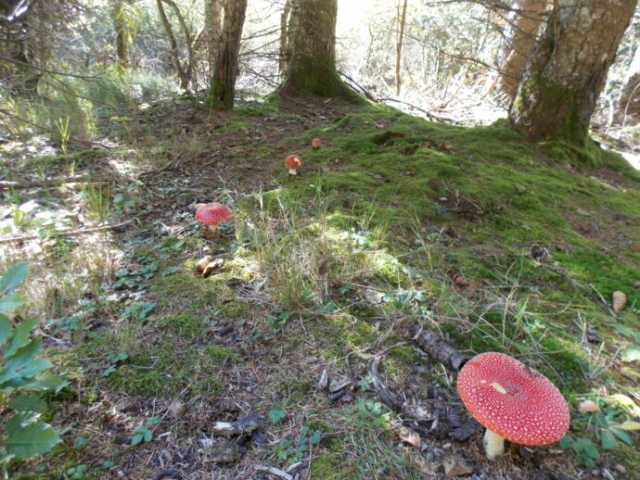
{"x":213,"y":229}
{"x":493,"y":444}
{"x":292,"y":171}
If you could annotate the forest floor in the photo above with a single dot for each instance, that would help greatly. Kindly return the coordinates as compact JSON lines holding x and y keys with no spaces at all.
{"x":318,"y":293}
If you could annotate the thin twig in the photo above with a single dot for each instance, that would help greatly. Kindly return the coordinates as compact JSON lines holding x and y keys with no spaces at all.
{"x":51,"y":182}
{"x":66,"y":233}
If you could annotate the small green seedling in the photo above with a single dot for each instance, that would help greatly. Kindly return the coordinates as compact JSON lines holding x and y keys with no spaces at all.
{"x":144,"y":433}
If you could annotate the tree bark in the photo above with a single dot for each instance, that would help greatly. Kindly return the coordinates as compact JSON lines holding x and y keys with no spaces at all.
{"x":122,"y":35}
{"x":628,"y":109}
{"x":312,"y":59}
{"x":223,"y":80}
{"x":402,"y":20}
{"x":212,"y":29}
{"x":568,"y":69}
{"x":525,"y":20}
{"x":284,"y":37}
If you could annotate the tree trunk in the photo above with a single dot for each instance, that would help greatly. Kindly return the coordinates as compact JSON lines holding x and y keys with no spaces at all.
{"x":122,"y":35}
{"x":223,"y":80}
{"x":284,"y":37}
{"x":402,"y":20}
{"x":212,"y":29}
{"x":312,"y":60}
{"x":568,"y":69}
{"x":524,"y":21}
{"x":628,"y":109}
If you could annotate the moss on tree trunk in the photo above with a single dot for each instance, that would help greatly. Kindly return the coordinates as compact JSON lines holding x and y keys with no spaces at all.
{"x":312,"y":60}
{"x":568,"y":69}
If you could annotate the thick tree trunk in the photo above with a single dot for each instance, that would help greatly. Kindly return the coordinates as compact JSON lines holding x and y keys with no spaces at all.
{"x":312,"y":60}
{"x":223,"y":79}
{"x":525,"y":21}
{"x":568,"y":69}
{"x":212,"y":29}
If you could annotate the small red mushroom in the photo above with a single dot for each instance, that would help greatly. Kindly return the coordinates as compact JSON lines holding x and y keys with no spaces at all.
{"x":211,"y":214}
{"x":316,"y":143}
{"x":513,"y":401}
{"x":292,"y":163}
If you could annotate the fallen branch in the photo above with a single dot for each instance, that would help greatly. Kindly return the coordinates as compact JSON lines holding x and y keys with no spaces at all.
{"x":243,"y":425}
{"x":440,"y":350}
{"x":66,"y":233}
{"x":274,"y":471}
{"x":7,"y":184}
{"x":388,"y":397}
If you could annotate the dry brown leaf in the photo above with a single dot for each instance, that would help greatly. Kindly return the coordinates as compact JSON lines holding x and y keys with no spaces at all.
{"x":202,"y":263}
{"x":588,"y":406}
{"x":410,"y":436}
{"x":212,"y":267}
{"x":618,"y":301}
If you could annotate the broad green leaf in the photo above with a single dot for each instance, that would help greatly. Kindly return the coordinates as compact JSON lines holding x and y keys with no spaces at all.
{"x":607,"y":440}
{"x":629,"y":425}
{"x":630,"y":354}
{"x":566,"y":441}
{"x":10,"y":302}
{"x":48,"y":381}
{"x":20,"y":337}
{"x":622,"y":435}
{"x":13,"y":277}
{"x":26,"y":436}
{"x":6,"y":329}
{"x":23,"y":357}
{"x":28,"y":403}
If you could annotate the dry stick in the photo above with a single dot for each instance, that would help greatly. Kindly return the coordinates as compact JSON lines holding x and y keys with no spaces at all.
{"x":7,"y":184}
{"x":436,"y":347}
{"x":170,"y":164}
{"x":66,"y":233}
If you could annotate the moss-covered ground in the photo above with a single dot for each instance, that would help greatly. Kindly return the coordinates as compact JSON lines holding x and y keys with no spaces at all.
{"x":395,"y":224}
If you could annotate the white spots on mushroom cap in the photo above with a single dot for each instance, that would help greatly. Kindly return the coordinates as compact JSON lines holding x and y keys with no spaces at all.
{"x":513,"y":400}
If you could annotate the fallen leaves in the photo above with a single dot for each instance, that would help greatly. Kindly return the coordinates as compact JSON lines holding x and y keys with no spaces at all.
{"x":618,"y":301}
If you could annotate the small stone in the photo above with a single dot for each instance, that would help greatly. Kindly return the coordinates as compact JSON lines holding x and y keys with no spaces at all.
{"x":520,"y":188}
{"x":177,"y":410}
{"x":224,"y":452}
{"x":456,"y":466}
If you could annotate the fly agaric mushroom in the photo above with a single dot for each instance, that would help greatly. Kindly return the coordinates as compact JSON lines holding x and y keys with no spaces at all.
{"x":316,"y":143}
{"x":211,"y":214}
{"x":292,"y":163}
{"x":513,"y":401}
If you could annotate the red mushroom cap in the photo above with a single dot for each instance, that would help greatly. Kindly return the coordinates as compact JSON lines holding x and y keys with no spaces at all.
{"x":316,"y":143}
{"x":513,"y":400}
{"x":293,"y":161}
{"x":214,"y":213}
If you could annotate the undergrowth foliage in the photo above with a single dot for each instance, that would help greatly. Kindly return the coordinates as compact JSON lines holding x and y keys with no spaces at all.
{"x":22,"y":373}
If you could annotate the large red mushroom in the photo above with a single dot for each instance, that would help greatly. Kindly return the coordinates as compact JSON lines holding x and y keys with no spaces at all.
{"x":211,"y":214}
{"x":513,"y":401}
{"x":293,"y":162}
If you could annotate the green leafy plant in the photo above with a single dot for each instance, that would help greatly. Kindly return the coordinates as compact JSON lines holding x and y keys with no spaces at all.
{"x":294,"y":449}
{"x":22,"y":372}
{"x":277,"y":413}
{"x":610,"y":425}
{"x":114,"y":359}
{"x":75,"y":473}
{"x":144,"y":433}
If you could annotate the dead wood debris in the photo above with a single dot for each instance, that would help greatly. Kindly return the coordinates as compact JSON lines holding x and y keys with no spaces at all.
{"x":67,"y":233}
{"x":52,"y":182}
